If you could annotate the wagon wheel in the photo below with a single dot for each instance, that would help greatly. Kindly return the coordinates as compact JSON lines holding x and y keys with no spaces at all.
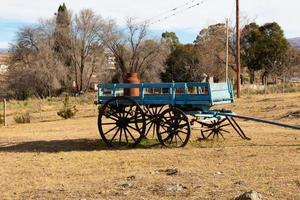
{"x":152,"y":119}
{"x":121,"y":122}
{"x":174,"y":128}
{"x":213,"y":129}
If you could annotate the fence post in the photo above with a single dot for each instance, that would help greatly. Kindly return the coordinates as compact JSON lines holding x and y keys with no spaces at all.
{"x":4,"y":112}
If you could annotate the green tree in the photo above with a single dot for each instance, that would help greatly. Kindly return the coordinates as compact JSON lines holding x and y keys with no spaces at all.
{"x":171,"y":39}
{"x":274,"y":50}
{"x":250,"y":42}
{"x":62,"y":34}
{"x":265,"y":48}
{"x":181,"y":64}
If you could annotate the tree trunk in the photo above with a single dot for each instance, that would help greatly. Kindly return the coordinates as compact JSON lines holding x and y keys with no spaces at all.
{"x":81,"y":76}
{"x":252,"y":75}
{"x":76,"y":77}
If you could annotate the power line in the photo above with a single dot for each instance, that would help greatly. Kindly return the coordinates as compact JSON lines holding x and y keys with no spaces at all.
{"x":233,"y":10}
{"x":171,"y":10}
{"x":178,"y":11}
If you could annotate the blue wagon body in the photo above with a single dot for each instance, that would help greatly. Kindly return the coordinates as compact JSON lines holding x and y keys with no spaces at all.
{"x":200,"y":96}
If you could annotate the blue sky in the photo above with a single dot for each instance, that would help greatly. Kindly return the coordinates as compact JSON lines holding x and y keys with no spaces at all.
{"x":186,"y":23}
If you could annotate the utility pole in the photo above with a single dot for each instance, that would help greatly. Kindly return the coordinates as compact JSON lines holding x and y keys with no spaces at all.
{"x":238,"y":47}
{"x":227,"y":51}
{"x":4,"y":113}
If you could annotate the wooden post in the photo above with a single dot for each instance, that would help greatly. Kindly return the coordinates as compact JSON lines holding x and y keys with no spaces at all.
{"x":238,"y":59}
{"x":227,"y":51}
{"x":4,"y":112}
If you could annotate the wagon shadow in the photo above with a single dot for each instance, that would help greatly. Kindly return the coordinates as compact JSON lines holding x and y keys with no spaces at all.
{"x":56,"y":146}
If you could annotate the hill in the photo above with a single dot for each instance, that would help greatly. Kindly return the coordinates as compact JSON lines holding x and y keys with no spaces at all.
{"x":295,"y":42}
{"x":2,"y":50}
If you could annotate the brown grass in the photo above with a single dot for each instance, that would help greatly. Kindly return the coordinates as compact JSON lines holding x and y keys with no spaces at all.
{"x":65,"y":159}
{"x":4,"y":58}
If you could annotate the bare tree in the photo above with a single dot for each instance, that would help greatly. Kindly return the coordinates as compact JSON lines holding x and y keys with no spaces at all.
{"x":86,"y":51}
{"x":211,"y":43}
{"x":33,"y":69}
{"x":132,"y":47}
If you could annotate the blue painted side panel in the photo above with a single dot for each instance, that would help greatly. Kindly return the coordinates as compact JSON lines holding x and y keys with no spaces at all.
{"x":198,"y":95}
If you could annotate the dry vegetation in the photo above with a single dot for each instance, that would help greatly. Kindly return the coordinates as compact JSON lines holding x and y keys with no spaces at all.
{"x":4,"y":58}
{"x":64,"y":159}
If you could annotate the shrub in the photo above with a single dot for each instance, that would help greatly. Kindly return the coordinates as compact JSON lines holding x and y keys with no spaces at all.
{"x":22,"y":119}
{"x":68,"y":110}
{"x":1,"y":120}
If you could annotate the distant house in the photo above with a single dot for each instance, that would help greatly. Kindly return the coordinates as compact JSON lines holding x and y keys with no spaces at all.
{"x":104,"y":73}
{"x":295,"y":78}
{"x":3,"y":69}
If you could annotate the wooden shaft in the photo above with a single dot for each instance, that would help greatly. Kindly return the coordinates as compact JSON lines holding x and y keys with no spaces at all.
{"x":238,"y":58}
{"x":4,"y":112}
{"x":227,"y":51}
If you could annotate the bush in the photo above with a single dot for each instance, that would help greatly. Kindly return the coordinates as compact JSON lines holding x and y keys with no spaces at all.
{"x":68,"y":110}
{"x":271,"y":89}
{"x":22,"y":119}
{"x":1,"y":120}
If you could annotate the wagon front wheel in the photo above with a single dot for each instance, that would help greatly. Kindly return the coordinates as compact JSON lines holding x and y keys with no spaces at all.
{"x":174,"y":128}
{"x":121,"y":122}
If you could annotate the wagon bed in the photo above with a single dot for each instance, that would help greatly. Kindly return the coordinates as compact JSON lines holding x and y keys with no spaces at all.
{"x":198,"y":95}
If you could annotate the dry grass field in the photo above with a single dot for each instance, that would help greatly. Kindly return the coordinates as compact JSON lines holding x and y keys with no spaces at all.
{"x":52,"y":158}
{"x":4,"y":58}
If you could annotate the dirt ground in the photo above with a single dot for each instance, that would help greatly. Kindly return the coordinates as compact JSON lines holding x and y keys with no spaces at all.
{"x":65,"y":159}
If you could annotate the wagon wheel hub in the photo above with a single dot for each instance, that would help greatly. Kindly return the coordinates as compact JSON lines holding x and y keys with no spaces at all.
{"x":216,"y":129}
{"x":122,"y":122}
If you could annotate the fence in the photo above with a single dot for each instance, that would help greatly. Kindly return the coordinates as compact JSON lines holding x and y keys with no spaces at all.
{"x":4,"y":120}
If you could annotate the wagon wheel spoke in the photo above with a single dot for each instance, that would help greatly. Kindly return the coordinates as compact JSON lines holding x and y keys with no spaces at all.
{"x":120,"y":138}
{"x":224,"y":125}
{"x":149,"y":128}
{"x":110,"y":130}
{"x":114,"y":135}
{"x":223,"y":130}
{"x":113,"y":118}
{"x":222,"y":135}
{"x":159,"y":111}
{"x":133,"y":128}
{"x":182,"y":132}
{"x":111,"y":123}
{"x":176,"y":139}
{"x":130,"y":134}
{"x":210,"y":134}
{"x":180,"y":138}
{"x":125,"y":134}
{"x":152,"y":119}
{"x":207,"y":130}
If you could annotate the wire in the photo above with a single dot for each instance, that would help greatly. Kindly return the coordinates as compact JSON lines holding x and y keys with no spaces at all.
{"x":178,"y":11}
{"x":171,"y":10}
{"x":232,"y":11}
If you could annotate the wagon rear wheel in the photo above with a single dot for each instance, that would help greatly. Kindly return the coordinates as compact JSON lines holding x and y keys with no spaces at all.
{"x":174,"y":128}
{"x":121,"y":122}
{"x":213,"y":129}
